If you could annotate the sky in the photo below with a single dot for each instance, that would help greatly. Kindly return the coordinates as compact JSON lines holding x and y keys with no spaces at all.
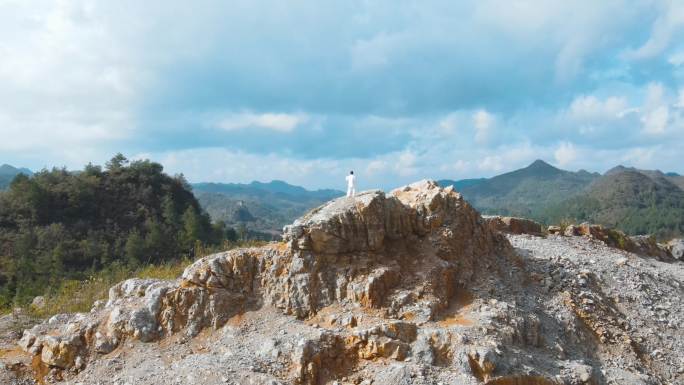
{"x":304,"y":91}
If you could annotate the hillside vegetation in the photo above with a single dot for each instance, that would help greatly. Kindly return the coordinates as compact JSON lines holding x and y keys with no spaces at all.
{"x":634,"y":201}
{"x":629,"y":200}
{"x":259,"y":209}
{"x":59,"y":225}
{"x":526,"y":192}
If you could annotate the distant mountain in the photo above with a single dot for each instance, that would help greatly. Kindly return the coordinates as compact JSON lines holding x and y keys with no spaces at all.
{"x":7,"y":173}
{"x":635,"y":201}
{"x":259,"y":207}
{"x":524,"y":192}
{"x":672,"y":177}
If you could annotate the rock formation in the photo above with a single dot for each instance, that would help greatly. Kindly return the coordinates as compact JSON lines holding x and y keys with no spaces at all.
{"x":513,"y":225}
{"x":412,"y":287}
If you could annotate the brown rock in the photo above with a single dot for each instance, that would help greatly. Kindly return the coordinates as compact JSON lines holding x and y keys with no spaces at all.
{"x":513,"y":225}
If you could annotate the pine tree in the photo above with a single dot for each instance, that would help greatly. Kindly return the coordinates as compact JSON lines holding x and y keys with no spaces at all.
{"x":135,"y":248}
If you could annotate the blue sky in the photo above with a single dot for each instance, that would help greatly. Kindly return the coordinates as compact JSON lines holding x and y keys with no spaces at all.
{"x":303,"y":91}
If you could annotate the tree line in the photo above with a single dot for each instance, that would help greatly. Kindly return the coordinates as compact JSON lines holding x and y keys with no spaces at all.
{"x":59,"y":225}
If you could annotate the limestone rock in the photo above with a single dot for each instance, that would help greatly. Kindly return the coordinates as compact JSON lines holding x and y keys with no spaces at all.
{"x":554,"y":230}
{"x":403,"y":254}
{"x":61,"y":351}
{"x":513,"y":225}
{"x":412,"y":286}
{"x":676,"y":248}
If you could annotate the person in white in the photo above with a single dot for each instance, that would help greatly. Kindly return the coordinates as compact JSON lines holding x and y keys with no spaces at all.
{"x":351,"y":184}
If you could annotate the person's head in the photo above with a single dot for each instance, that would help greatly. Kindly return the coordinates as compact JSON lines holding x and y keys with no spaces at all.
{"x":351,"y":172}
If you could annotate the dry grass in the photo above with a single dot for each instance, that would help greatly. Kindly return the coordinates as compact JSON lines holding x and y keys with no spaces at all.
{"x":75,"y":296}
{"x":78,"y":296}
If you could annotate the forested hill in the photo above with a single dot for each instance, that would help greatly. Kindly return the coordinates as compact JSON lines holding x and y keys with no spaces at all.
{"x":59,"y":224}
{"x":7,"y":173}
{"x":525,"y":192}
{"x":635,"y":201}
{"x":260,"y":208}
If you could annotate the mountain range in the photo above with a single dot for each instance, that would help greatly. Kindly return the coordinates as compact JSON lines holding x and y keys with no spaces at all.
{"x":261,"y":208}
{"x":635,"y":201}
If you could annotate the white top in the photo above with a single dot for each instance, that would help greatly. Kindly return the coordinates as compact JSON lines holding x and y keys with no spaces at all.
{"x":351,"y":180}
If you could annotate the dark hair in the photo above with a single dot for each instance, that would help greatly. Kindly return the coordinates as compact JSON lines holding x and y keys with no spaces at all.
{"x":351,"y":172}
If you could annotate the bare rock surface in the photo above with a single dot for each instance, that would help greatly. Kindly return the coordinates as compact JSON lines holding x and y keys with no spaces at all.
{"x":513,"y":225}
{"x":411,"y":287}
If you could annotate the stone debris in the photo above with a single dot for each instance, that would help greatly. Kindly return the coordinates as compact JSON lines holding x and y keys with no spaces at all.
{"x":410,"y":287}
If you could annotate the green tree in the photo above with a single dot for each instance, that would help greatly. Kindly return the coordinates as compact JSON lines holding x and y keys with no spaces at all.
{"x":156,"y":241}
{"x":117,"y":163}
{"x":192,"y":227}
{"x":135,"y":248}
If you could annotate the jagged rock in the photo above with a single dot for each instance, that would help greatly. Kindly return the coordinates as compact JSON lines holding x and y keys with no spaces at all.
{"x":639,"y":244}
{"x":412,"y":286}
{"x":554,"y":230}
{"x":483,"y":362}
{"x":571,"y":230}
{"x":513,"y":225}
{"x":361,"y":249}
{"x":646,"y":245}
{"x":676,"y":247}
{"x":61,"y":351}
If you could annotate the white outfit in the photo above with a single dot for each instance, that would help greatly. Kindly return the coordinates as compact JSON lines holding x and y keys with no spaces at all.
{"x":351,"y":185}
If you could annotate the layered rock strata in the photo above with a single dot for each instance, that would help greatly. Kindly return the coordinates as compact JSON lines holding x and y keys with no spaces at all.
{"x":411,"y":287}
{"x":405,"y":254}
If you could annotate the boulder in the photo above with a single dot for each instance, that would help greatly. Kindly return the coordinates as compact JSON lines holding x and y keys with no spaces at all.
{"x":676,"y":248}
{"x":61,"y":351}
{"x":513,"y":225}
{"x":647,"y":245}
{"x":554,"y":230}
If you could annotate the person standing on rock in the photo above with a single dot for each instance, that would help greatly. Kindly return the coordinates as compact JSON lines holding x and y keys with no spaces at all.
{"x":351,"y":184}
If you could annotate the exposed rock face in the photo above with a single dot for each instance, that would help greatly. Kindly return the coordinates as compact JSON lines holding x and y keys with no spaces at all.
{"x":407,"y":253}
{"x":639,"y":244}
{"x":513,"y":225}
{"x":415,"y":278}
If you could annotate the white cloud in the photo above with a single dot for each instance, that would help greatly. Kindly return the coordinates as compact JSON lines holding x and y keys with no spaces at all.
{"x":272,"y":121}
{"x":639,"y":157}
{"x":565,"y":154}
{"x":406,"y":164}
{"x":483,"y":122}
{"x":655,"y":121}
{"x":588,"y":108}
{"x":448,"y":125}
{"x":667,"y":25}
{"x":376,"y":167}
{"x":656,"y":113}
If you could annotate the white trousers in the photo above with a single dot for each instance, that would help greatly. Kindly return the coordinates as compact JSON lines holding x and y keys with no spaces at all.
{"x":351,"y":191}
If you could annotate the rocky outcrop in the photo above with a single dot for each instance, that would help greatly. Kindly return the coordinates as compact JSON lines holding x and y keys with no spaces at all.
{"x":406,"y":253}
{"x":513,"y":225}
{"x":639,"y":244}
{"x":413,"y":287}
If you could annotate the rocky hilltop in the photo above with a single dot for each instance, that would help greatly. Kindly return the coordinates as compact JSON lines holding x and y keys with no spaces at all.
{"x":410,"y":287}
